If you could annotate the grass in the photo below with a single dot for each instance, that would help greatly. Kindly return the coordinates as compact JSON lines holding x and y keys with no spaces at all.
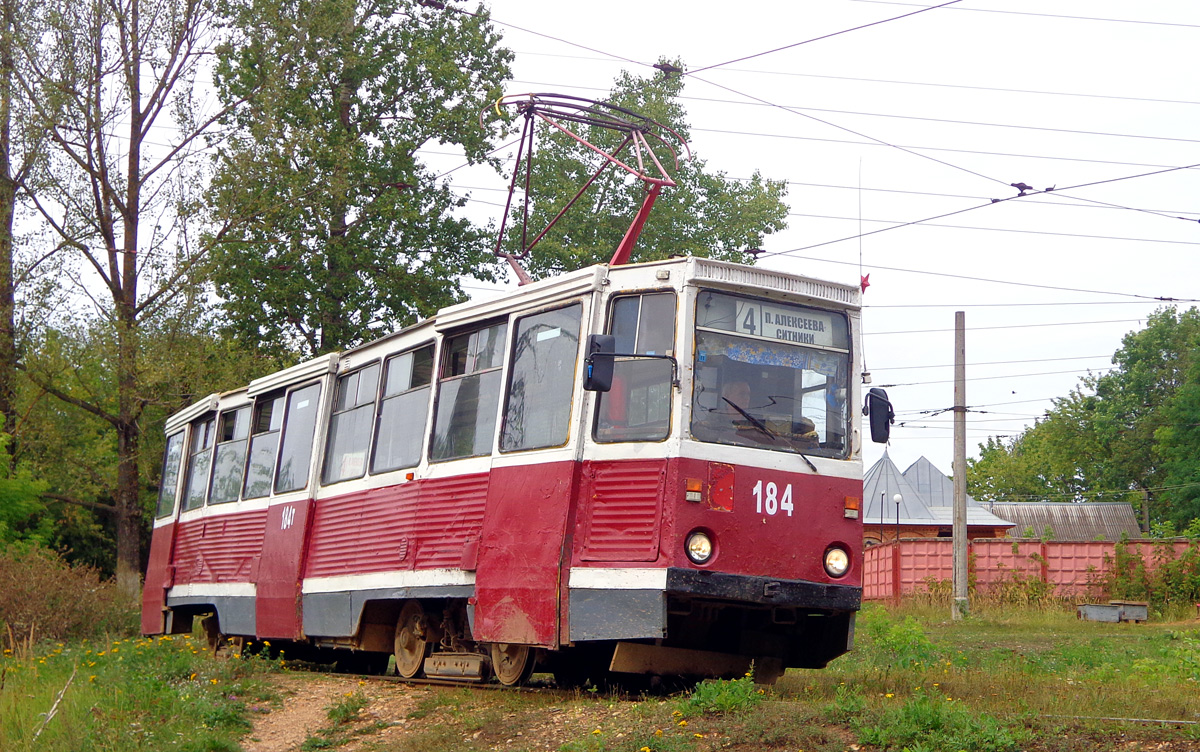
{"x":128,"y":694}
{"x":1002,"y":680}
{"x":1007,"y":680}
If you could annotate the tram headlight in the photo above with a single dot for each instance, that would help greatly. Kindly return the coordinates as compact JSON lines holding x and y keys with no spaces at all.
{"x":837,"y":562}
{"x":699,"y":546}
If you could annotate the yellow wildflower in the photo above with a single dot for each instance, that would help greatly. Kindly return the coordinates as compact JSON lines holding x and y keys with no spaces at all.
{"x":889,"y":695}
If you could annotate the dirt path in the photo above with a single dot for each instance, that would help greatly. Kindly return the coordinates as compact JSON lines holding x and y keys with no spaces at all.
{"x":494,"y":721}
{"x":306,"y":700}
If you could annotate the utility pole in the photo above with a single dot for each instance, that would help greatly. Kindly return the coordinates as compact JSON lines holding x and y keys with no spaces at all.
{"x":961,"y":604}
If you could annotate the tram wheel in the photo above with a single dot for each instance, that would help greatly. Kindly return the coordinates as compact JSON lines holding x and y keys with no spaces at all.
{"x":411,"y":647}
{"x":512,"y":664}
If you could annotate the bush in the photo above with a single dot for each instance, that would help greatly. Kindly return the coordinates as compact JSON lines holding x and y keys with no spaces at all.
{"x":44,"y":597}
{"x":894,"y":643}
{"x":1173,"y":580}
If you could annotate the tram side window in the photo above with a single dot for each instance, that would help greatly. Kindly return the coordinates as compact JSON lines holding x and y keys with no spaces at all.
{"x":638,"y":407}
{"x":468,"y":394}
{"x":537,"y":410}
{"x":295,"y":450}
{"x":168,"y":490}
{"x":350,"y":427}
{"x":199,"y":457}
{"x":264,"y":443}
{"x":229,"y":462}
{"x":403,"y":411}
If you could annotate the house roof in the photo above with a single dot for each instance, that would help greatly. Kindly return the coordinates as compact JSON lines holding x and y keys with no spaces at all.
{"x":880,"y":486}
{"x":883,"y":481}
{"x":1071,"y":521}
{"x":937,"y":489}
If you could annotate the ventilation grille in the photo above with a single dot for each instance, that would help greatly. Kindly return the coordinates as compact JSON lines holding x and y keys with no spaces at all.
{"x":710,"y":271}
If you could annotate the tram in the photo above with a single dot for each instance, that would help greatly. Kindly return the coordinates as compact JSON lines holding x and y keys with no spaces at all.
{"x":642,"y":469}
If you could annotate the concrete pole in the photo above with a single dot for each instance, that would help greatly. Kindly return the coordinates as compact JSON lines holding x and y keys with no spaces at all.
{"x":961,"y":603}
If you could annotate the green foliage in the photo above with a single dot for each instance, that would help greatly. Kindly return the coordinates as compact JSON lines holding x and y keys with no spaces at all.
{"x":1178,"y":657}
{"x":1173,"y":578}
{"x":705,"y":214}
{"x":1019,"y":588}
{"x":848,"y":703}
{"x":347,"y":708}
{"x":130,"y":694}
{"x":20,"y":499}
{"x":892,"y":642}
{"x":344,"y":231}
{"x":43,"y":597}
{"x":73,"y":451}
{"x":1132,"y":430}
{"x":722,"y":696}
{"x":928,"y":723}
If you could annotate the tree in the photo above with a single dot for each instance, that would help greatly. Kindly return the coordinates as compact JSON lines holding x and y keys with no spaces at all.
{"x":705,"y":214}
{"x":1177,"y":438}
{"x":352,"y":234}
{"x":20,"y":149}
{"x":1129,"y":434}
{"x":182,"y":358}
{"x":112,"y":91}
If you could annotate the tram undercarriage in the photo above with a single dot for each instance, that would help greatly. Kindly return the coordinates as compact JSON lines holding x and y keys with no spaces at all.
{"x":704,"y":638}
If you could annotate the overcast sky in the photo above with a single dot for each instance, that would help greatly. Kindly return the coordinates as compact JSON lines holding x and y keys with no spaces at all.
{"x":979,"y":94}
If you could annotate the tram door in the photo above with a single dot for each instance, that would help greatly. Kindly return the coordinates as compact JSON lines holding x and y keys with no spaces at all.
{"x":532,"y":484}
{"x":158,"y":573}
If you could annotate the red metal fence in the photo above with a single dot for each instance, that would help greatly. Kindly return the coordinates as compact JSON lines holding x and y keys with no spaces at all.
{"x":892,"y":570}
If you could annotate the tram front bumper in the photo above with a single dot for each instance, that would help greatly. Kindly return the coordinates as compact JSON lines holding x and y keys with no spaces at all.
{"x":762,"y":591}
{"x":630,"y":610}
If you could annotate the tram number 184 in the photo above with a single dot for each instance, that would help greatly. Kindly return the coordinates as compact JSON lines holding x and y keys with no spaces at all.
{"x":768,"y":499}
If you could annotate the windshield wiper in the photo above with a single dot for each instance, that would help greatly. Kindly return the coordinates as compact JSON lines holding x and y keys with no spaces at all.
{"x":770,"y":434}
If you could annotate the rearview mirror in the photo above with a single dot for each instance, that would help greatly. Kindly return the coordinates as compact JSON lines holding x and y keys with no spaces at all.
{"x":879,"y":409}
{"x":599,"y":362}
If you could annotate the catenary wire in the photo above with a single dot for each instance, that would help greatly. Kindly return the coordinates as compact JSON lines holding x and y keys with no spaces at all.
{"x":1009,"y":326}
{"x":742,"y":103}
{"x":863,"y":188}
{"x":909,"y":83}
{"x":909,"y":149}
{"x":824,"y":36}
{"x":1040,"y":15}
{"x":1004,"y":229}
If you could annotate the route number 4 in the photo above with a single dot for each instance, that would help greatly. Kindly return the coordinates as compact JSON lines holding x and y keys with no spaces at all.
{"x":767,"y":498}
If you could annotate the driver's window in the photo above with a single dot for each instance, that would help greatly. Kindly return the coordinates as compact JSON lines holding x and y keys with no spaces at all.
{"x":638,"y":407}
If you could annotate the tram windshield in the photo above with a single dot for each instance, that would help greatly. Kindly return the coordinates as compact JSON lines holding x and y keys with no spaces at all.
{"x":770,"y":375}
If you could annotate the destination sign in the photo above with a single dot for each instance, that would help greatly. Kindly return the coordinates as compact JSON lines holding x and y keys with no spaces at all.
{"x":799,"y":326}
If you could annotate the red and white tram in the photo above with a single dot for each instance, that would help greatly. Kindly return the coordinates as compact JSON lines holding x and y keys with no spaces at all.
{"x":455,"y":495}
